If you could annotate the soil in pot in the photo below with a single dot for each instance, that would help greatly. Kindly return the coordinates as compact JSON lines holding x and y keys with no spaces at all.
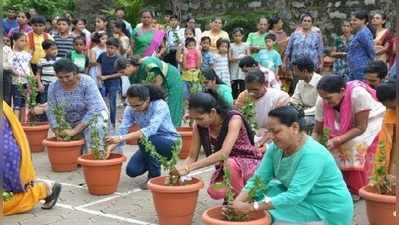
{"x":102,"y":176}
{"x":175,"y":204}
{"x":380,"y":208}
{"x":63,"y":155}
{"x":36,"y":134}
{"x":214,"y":216}
{"x":133,"y":128}
{"x":187,"y":137}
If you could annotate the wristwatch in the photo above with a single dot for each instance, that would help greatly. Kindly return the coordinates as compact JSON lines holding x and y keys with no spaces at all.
{"x":266,"y":200}
{"x":256,"y":206}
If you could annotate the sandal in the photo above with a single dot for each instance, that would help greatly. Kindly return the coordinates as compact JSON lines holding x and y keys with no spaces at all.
{"x":51,"y":200}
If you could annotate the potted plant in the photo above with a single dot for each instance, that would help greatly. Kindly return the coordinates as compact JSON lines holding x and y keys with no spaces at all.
{"x":225,"y":215}
{"x":63,"y":150}
{"x":101,"y":172}
{"x":380,"y":193}
{"x":171,"y":190}
{"x":248,"y":111}
{"x":35,"y":130}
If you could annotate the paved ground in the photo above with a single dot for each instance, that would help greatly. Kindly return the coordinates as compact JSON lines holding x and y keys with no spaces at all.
{"x":130,"y":205}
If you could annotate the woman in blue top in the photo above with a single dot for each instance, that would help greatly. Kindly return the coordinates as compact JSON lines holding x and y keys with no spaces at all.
{"x":361,"y":47}
{"x":304,"y":184}
{"x":80,"y":98}
{"x":147,"y":108}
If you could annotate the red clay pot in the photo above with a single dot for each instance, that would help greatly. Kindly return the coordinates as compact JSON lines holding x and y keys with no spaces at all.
{"x":63,"y":155}
{"x":174,"y":204}
{"x":102,"y":176}
{"x":36,"y":134}
{"x":133,"y":128}
{"x":380,"y":208}
{"x":214,"y":216}
{"x":187,"y":137}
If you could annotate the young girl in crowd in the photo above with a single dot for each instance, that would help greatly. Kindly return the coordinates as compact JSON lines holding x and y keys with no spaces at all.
{"x":120,"y":32}
{"x":102,"y":25}
{"x":221,"y":60}
{"x":78,"y":55}
{"x":79,"y":29}
{"x":238,"y":50}
{"x":188,"y":33}
{"x":192,"y":60}
{"x":20,"y":66}
{"x":99,"y":40}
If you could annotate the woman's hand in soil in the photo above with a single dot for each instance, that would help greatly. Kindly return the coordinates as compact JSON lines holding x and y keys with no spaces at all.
{"x":242,"y":207}
{"x":181,"y":170}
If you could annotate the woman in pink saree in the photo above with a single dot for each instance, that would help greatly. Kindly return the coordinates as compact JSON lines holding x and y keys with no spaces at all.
{"x":352,"y":117}
{"x":147,"y":40}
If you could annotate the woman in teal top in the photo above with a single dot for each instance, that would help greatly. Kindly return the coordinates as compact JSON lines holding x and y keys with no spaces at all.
{"x":155,"y":71}
{"x":304,"y":184}
{"x":212,"y":81}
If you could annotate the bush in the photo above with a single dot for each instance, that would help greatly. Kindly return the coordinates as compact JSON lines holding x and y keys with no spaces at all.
{"x":43,"y":7}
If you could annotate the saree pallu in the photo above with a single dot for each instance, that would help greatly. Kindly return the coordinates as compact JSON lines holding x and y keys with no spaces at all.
{"x":26,"y":194}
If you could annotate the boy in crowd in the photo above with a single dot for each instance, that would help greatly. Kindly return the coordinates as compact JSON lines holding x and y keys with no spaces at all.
{"x":207,"y":56}
{"x":376,"y":72}
{"x":269,"y":57}
{"x":45,"y":69}
{"x":109,"y":76}
{"x":35,"y":40}
{"x":63,"y":38}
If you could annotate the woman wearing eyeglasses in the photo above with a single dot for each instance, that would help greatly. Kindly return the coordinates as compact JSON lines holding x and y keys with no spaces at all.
{"x":147,"y":108}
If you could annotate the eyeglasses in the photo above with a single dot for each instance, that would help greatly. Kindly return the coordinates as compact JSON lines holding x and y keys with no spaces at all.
{"x":137,"y":105}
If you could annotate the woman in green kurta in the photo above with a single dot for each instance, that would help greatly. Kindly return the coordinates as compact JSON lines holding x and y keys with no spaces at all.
{"x":153,"y":70}
{"x":304,"y":184}
{"x":212,"y":81}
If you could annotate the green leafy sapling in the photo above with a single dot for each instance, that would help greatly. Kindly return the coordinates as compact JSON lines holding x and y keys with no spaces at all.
{"x":197,"y":85}
{"x":98,"y":144}
{"x":248,"y":112}
{"x":150,"y":78}
{"x":62,"y":124}
{"x":229,"y":213}
{"x":30,"y":96}
{"x":168,"y":164}
{"x":325,"y":136}
{"x":381,"y":179}
{"x":7,"y":195}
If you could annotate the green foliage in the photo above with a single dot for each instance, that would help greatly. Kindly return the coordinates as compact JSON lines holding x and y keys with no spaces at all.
{"x":43,"y":7}
{"x":248,"y":112}
{"x":168,"y":164}
{"x":150,"y":78}
{"x":197,"y":86}
{"x":30,"y":96}
{"x":97,"y":144}
{"x":62,"y":124}
{"x":7,"y":195}
{"x":381,"y":179}
{"x":325,"y":136}
{"x":228,"y":213}
{"x":233,"y":19}
{"x":131,"y":7}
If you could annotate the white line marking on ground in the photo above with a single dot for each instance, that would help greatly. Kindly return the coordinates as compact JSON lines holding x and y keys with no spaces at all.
{"x":98,"y":201}
{"x":98,"y":213}
{"x":64,"y":184}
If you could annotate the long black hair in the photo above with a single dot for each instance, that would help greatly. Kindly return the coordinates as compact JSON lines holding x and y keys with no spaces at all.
{"x":288,"y":115}
{"x":210,"y":74}
{"x":65,"y":65}
{"x":15,"y":36}
{"x":204,"y":102}
{"x":145,"y":92}
{"x":121,"y":25}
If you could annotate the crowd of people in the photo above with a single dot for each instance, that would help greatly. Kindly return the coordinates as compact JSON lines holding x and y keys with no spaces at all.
{"x":163,"y":74}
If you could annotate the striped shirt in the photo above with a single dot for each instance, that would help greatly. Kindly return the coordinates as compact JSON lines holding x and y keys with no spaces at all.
{"x":46,"y":68}
{"x":221,"y":67}
{"x":64,"y":45}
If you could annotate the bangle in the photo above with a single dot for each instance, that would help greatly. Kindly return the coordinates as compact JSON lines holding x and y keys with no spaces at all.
{"x":187,"y":169}
{"x":121,"y":138}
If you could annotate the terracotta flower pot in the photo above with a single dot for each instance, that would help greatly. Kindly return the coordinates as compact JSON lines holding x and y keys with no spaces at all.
{"x":36,"y":134}
{"x":133,"y":128}
{"x":102,"y":176}
{"x":187,"y":137}
{"x":214,"y":216}
{"x":380,"y":208}
{"x":63,"y":155}
{"x":174,"y":204}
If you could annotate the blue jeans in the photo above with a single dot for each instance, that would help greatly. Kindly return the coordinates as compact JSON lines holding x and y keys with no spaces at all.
{"x":142,"y":162}
{"x":19,"y":100}
{"x":111,"y":94}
